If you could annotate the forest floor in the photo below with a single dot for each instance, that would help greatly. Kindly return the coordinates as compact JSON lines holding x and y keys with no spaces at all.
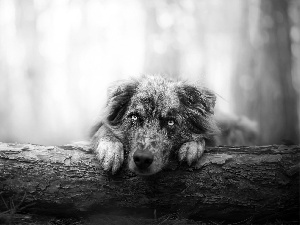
{"x":104,"y":219}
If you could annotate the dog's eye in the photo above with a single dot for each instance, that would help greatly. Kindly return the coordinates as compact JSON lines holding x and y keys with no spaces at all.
{"x":171,"y":123}
{"x":134,"y":117}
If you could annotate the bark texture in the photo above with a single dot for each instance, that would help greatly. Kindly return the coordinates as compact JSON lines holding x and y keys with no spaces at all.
{"x":228,"y":183}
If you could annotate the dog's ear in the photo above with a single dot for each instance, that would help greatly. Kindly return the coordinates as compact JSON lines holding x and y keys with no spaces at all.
{"x":119,"y":96}
{"x":197,"y":106}
{"x":201,"y":98}
{"x":209,"y":99}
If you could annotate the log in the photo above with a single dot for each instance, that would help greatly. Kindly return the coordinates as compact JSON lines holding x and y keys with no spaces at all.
{"x":228,"y":183}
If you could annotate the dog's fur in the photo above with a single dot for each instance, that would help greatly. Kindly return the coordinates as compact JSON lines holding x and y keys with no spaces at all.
{"x":148,"y":120}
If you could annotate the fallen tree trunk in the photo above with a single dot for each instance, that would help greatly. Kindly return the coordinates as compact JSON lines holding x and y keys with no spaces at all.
{"x":228,"y":183}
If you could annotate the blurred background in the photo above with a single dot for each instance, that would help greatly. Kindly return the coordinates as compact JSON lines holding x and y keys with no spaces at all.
{"x":57,"y":58}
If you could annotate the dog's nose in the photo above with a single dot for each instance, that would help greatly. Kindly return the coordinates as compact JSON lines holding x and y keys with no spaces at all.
{"x":143,"y":159}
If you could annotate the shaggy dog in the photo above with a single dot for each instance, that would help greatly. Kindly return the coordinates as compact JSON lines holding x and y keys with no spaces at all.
{"x":149,"y":120}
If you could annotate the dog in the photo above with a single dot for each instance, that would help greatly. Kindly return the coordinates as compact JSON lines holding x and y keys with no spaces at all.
{"x":236,"y":130}
{"x":148,"y":120}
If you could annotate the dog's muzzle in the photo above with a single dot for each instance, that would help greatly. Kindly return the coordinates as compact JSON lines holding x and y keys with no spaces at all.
{"x":143,"y":158}
{"x":148,"y":155}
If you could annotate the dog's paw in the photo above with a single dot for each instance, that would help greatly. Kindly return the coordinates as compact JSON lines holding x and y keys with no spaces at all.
{"x":110,"y":155}
{"x":191,"y":151}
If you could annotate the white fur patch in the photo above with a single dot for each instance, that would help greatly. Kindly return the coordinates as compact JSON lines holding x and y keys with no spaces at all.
{"x":191,"y":151}
{"x":110,"y":155}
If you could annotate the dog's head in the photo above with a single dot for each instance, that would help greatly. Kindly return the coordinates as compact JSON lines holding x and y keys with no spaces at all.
{"x":154,"y":116}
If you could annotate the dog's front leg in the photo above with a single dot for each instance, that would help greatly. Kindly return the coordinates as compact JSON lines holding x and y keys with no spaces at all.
{"x":191,"y":151}
{"x":109,"y":150}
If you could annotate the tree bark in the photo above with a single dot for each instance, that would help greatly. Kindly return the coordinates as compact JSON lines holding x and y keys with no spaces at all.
{"x":228,"y":183}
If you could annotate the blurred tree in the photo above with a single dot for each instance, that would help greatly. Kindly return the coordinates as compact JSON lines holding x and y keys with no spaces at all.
{"x":58,"y":57}
{"x":263,"y":80}
{"x":162,"y":48}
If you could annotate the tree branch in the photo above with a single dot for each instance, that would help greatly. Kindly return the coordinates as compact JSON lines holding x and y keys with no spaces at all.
{"x":228,"y":183}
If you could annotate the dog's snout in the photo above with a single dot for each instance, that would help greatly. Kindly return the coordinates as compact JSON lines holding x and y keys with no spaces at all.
{"x":143,"y":158}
